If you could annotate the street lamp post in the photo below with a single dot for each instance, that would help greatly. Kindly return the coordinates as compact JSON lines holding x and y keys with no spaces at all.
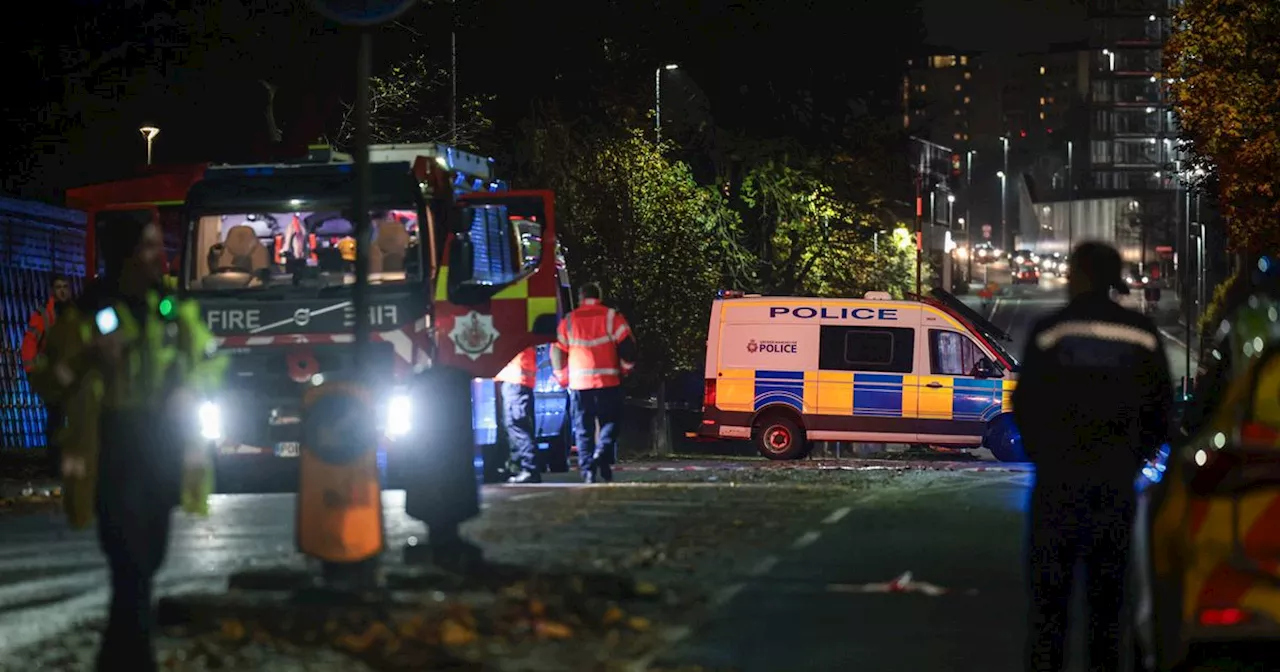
{"x":968,"y":214}
{"x":1071,"y":209}
{"x":946,"y":253}
{"x":657,"y":100}
{"x":149,"y":133}
{"x":1003,"y":187}
{"x":1004,"y":200}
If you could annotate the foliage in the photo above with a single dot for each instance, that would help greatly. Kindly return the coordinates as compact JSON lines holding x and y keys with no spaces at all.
{"x":639,"y":224}
{"x":1222,"y":67}
{"x":811,"y":239}
{"x":410,"y":103}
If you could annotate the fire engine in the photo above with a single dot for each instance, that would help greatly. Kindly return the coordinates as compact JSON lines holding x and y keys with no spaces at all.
{"x":463,"y":273}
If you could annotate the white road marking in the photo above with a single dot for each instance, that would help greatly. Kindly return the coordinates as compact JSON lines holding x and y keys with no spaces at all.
{"x":764,"y":565}
{"x":805,"y":539}
{"x":836,"y":516}
{"x":725,"y":594}
{"x":530,"y":495}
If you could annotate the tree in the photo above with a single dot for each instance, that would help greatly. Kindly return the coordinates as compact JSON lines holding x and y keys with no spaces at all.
{"x":812,"y":223}
{"x":1222,"y":67}
{"x":410,"y":103}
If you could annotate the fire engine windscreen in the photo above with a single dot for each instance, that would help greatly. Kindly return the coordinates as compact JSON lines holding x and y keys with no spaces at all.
{"x":308,"y":249}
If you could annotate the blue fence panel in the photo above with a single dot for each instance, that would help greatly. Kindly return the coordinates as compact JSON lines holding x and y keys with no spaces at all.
{"x":36,"y":241}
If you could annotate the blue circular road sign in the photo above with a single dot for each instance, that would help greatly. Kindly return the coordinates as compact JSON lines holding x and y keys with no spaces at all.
{"x":361,"y":12}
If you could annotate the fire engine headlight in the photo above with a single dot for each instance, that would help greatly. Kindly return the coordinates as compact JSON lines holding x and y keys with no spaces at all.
{"x":210,"y":417}
{"x":399,"y":416}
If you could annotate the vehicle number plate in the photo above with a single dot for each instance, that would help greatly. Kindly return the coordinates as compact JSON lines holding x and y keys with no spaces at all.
{"x":288,"y":449}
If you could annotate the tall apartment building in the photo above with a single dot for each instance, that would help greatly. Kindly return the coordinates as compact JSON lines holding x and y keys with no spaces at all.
{"x":1132,"y":149}
{"x":999,"y":111}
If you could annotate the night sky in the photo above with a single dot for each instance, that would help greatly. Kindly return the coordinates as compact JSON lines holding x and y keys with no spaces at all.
{"x":750,"y":60}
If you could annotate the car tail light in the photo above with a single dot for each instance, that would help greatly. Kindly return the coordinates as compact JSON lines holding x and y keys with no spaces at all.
{"x":709,"y":394}
{"x":1223,"y":617}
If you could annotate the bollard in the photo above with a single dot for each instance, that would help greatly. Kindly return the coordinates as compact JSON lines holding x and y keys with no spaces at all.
{"x":339,"y":495}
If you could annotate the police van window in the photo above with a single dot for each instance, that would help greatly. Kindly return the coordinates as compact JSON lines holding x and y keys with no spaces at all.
{"x":953,"y":353}
{"x":885,"y":350}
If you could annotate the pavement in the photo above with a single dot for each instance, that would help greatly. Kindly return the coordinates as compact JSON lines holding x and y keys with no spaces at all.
{"x":912,"y":563}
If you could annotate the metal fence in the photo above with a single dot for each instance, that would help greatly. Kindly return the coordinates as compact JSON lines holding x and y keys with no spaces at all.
{"x":36,"y":241}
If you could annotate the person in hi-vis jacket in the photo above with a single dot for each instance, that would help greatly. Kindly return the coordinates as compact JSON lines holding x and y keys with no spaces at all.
{"x":593,"y":352}
{"x":517,"y":381}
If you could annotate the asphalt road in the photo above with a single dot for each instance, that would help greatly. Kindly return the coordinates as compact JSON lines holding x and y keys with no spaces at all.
{"x":766,"y":566}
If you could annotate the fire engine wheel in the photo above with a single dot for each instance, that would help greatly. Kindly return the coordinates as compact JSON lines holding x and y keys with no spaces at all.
{"x":780,"y":438}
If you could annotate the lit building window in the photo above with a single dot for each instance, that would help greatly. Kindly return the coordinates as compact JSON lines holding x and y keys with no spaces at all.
{"x":1042,"y":69}
{"x":1042,"y":100}
{"x":966,"y":100}
{"x":1042,"y":116}
{"x":964,"y":60}
{"x":968,"y":75}
{"x":943,"y":61}
{"x":956,"y":113}
{"x":957,"y":87}
{"x":956,"y":136}
{"x":923,"y":88}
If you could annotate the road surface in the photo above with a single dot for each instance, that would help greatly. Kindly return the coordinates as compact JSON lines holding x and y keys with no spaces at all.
{"x":761,"y":566}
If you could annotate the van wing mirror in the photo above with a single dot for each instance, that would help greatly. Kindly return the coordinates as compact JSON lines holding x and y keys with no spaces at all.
{"x":462,"y":291}
{"x":985,"y":368}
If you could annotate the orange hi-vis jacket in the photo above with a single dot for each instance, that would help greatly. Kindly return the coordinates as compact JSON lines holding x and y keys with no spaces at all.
{"x":33,"y":340}
{"x":523,"y":370}
{"x":594,"y":348}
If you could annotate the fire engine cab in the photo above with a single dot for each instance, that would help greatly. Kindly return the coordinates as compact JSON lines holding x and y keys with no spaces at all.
{"x":462,"y":273}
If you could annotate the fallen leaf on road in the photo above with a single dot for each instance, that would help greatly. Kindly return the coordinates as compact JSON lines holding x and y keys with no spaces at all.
{"x":645,"y":588}
{"x":638,"y":623}
{"x":453,"y":633}
{"x":537,"y":608}
{"x":612,"y":615}
{"x":232,"y":630}
{"x":552,"y":630}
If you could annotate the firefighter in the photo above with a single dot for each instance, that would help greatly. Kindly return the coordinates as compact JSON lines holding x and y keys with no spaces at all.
{"x":131,"y":363}
{"x":594,"y":351}
{"x":518,"y":380}
{"x":1093,"y":402}
{"x":33,"y":342}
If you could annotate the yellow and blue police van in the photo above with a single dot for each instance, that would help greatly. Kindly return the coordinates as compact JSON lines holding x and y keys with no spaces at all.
{"x":787,"y":371}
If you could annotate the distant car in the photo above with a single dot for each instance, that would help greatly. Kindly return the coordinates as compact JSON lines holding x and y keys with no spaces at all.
{"x":985,"y":253}
{"x":1026,"y":274}
{"x":1025,"y":257}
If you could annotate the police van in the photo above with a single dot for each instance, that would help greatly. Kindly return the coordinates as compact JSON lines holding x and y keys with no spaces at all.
{"x":787,"y":371}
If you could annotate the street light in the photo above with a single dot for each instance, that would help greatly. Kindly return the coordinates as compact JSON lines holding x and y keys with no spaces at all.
{"x":948,"y":246}
{"x":1071,"y":194}
{"x":1004,"y":200}
{"x":149,"y":133}
{"x":657,"y":99}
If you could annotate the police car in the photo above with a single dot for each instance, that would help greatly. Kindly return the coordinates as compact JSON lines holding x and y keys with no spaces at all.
{"x":785,"y":371}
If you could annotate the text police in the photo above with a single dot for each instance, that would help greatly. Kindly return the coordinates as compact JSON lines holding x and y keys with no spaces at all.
{"x":832,"y":313}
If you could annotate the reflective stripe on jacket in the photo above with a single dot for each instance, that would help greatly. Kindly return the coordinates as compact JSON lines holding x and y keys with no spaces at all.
{"x":586,"y":349}
{"x":523,"y":370}
{"x":33,"y":341}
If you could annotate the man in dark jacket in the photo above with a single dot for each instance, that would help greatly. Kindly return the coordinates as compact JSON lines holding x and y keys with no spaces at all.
{"x":1093,"y":402}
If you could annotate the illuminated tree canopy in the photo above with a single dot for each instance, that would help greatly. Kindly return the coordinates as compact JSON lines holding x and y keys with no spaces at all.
{"x":1222,"y":70}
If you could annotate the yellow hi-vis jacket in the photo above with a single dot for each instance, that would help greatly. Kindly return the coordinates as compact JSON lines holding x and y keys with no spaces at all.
{"x":173,"y":347}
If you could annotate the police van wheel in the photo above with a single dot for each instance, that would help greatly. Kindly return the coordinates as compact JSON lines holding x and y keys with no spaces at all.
{"x":1004,"y":441}
{"x":779,"y":438}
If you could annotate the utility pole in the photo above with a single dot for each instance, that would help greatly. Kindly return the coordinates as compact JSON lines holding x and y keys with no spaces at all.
{"x":453,"y":74}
